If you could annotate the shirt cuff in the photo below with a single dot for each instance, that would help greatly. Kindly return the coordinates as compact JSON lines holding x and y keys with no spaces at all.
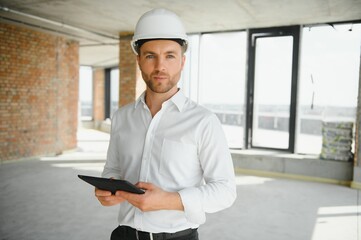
{"x":192,"y":203}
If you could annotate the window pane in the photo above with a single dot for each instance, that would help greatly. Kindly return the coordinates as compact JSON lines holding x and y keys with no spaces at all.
{"x":189,"y":80}
{"x":222,"y":73}
{"x":86,"y":93}
{"x":114,"y":91}
{"x":272,"y":92}
{"x":329,"y":79}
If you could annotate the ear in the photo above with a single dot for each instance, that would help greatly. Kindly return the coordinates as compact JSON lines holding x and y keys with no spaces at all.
{"x":183,"y":60}
{"x":138,"y":60}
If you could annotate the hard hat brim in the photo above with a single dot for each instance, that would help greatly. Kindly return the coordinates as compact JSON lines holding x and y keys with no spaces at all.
{"x":136,"y":44}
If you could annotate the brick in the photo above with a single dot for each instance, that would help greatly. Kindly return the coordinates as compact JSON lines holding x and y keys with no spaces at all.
{"x":38,"y":92}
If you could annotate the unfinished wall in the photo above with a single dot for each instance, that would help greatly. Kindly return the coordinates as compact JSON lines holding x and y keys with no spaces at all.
{"x":127,"y":70}
{"x":39,"y":76}
{"x":98,"y":97}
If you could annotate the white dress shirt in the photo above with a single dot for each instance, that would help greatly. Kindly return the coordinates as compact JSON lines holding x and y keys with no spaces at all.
{"x":181,"y":149}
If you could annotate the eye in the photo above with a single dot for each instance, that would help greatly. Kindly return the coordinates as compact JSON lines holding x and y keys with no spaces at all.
{"x":149,"y":56}
{"x":170,"y":56}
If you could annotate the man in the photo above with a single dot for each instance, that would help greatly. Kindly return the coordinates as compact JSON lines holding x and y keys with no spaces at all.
{"x":173,"y":148}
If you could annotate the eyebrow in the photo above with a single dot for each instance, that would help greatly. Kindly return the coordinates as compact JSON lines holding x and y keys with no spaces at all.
{"x":167,"y":52}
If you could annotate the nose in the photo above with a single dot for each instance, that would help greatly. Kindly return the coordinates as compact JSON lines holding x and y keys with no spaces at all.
{"x":160,"y":64}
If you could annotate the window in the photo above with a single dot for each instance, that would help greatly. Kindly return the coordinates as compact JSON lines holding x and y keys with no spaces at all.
{"x":114,"y":90}
{"x":111,"y":91}
{"x":272,"y":82}
{"x":324,"y":83}
{"x":329,"y":76}
{"x":222,"y":73}
{"x":86,"y":93}
{"x":189,"y":79}
{"x":272,"y":92}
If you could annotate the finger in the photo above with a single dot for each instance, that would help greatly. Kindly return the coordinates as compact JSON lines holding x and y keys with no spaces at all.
{"x":132,"y":198}
{"x":144,"y":185}
{"x":123,"y":194}
{"x":102,"y":193}
{"x":110,"y":200}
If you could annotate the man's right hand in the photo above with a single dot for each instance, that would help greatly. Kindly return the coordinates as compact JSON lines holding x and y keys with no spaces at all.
{"x":107,"y":199}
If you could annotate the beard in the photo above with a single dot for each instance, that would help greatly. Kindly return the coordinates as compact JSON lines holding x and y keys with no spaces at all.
{"x":162,"y":86}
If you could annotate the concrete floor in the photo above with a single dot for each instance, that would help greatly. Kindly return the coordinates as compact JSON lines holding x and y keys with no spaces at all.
{"x":44,"y":199}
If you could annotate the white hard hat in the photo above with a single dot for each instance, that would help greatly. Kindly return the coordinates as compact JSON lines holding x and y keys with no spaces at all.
{"x":159,"y":23}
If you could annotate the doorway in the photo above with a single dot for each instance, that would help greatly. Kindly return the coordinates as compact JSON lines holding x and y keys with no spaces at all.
{"x":272,"y":88}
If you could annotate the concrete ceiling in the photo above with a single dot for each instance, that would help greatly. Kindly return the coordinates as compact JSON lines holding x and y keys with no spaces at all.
{"x":97,"y":24}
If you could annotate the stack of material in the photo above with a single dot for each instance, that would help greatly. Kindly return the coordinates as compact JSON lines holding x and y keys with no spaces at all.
{"x":337,"y":141}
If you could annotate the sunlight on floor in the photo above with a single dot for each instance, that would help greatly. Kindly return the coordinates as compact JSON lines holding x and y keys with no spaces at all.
{"x":330,"y":220}
{"x":250,"y":180}
{"x":82,"y":166}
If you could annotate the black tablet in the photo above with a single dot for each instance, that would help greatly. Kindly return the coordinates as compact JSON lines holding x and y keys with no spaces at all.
{"x":111,"y":185}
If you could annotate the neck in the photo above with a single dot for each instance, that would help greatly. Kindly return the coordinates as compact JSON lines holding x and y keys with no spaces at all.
{"x":155,"y":100}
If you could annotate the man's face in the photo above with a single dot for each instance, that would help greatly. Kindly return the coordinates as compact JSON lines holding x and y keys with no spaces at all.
{"x":161,"y":63}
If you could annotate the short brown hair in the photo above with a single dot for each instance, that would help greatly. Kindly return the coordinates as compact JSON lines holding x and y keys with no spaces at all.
{"x":181,"y":42}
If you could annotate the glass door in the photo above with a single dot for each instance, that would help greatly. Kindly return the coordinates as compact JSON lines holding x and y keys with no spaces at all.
{"x":272,"y":84}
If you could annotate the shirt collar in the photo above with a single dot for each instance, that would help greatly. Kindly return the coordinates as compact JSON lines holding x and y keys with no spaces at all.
{"x":141,"y":98}
{"x":178,"y":100}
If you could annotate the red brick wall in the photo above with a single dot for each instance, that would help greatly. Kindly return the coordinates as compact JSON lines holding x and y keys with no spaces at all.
{"x":39,"y":76}
{"x":98,"y":96}
{"x":127,"y":70}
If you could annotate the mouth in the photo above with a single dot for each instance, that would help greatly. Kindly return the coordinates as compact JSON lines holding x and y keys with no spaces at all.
{"x":160,"y":78}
